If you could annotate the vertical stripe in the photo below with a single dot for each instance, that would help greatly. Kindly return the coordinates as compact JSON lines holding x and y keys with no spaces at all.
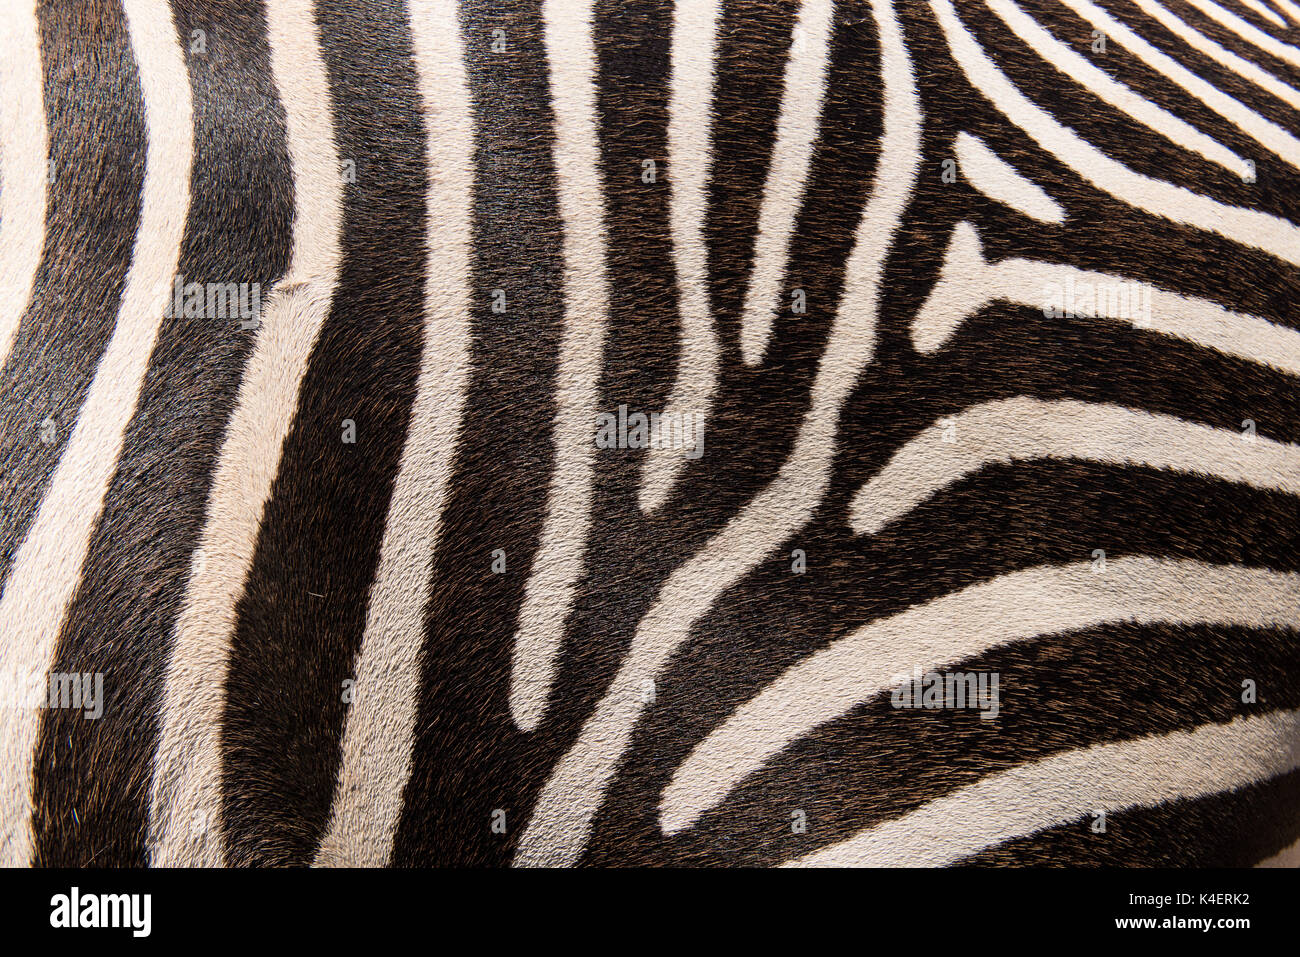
{"x":548,"y":597}
{"x":558,"y":829}
{"x":690,"y":124}
{"x":801,"y":103}
{"x":377,"y":742}
{"x":95,"y":114}
{"x":48,"y":563}
{"x":185,"y":786}
{"x":119,"y":623}
{"x":23,"y":156}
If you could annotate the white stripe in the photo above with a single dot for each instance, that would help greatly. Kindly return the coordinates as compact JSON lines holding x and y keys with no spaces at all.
{"x":1264,"y":11}
{"x":957,"y":626}
{"x":1278,"y":237}
{"x":1290,"y":9}
{"x":185,"y":795}
{"x":1247,"y":32}
{"x":1203,"y":44}
{"x":47,"y":566}
{"x":1000,"y":181}
{"x":562,"y":817}
{"x":1074,"y":786}
{"x":1099,"y":83}
{"x":24,"y":151}
{"x":796,"y":131}
{"x":1022,"y":429}
{"x":1267,"y":133}
{"x":377,"y":737}
{"x":968,"y":282}
{"x":695,"y":27}
{"x":548,"y":596}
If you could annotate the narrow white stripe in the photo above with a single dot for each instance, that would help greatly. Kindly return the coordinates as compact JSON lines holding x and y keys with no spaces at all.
{"x":1249,"y":227}
{"x":1203,"y":44}
{"x":1063,"y":788}
{"x":1290,"y":9}
{"x":548,"y":596}
{"x":1267,"y":133}
{"x":185,"y":798}
{"x":1100,"y":84}
{"x":1265,"y":11}
{"x":796,"y":131}
{"x":377,"y":737}
{"x":24,"y":152}
{"x":47,"y":567}
{"x":695,"y":27}
{"x":1247,"y":32}
{"x":558,"y":830}
{"x":954,"y":627}
{"x":1288,"y":856}
{"x":968,"y":282}
{"x":1023,"y":428}
{"x":1000,"y":181}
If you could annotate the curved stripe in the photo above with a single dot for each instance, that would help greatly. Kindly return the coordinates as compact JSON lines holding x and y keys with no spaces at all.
{"x":377,"y":738}
{"x":1100,"y":84}
{"x":1249,"y":227}
{"x":548,"y":596}
{"x":1022,"y":429}
{"x":1247,"y":32}
{"x":796,"y":131}
{"x":24,"y":152}
{"x":1203,"y":44}
{"x":47,"y":566}
{"x":1000,"y":181}
{"x":561,"y":820}
{"x":695,"y":28}
{"x":186,"y":784}
{"x":1025,"y":604}
{"x":1073,"y":786}
{"x":968,"y":282}
{"x":1269,"y":134}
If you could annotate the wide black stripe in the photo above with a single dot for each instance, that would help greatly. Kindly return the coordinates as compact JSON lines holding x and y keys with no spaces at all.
{"x":1237,"y":828}
{"x":95,"y":117}
{"x":468,"y":758}
{"x":301,"y":617}
{"x":1057,"y":693}
{"x":120,"y":620}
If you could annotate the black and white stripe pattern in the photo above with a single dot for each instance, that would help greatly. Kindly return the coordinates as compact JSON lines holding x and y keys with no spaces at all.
{"x":364,"y":589}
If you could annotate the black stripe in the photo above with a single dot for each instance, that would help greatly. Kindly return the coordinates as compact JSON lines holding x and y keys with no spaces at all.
{"x":468,"y":758}
{"x":95,"y":116}
{"x":121,"y":618}
{"x":302,"y":614}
